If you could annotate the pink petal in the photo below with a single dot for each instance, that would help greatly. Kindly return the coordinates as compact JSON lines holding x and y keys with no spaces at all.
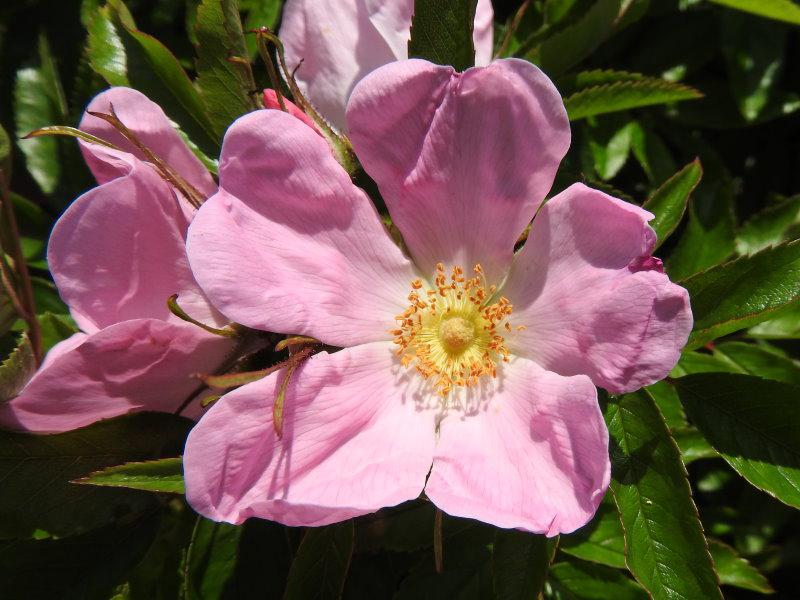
{"x":591,"y":297}
{"x":338,"y":43}
{"x":119,"y":252}
{"x":141,"y":365}
{"x":271,"y":101}
{"x":536,"y":458}
{"x":145,"y":119}
{"x":289,"y":244}
{"x":353,"y":442}
{"x":462,"y":160}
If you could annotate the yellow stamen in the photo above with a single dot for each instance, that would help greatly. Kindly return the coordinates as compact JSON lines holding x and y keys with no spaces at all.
{"x":454,"y":337}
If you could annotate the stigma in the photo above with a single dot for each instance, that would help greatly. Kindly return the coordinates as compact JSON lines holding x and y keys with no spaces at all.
{"x":451,"y":331}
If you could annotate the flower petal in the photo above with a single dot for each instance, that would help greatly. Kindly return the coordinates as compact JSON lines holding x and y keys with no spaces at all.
{"x":119,"y":253}
{"x":353,"y":442}
{"x":289,"y":244}
{"x":337,"y":43}
{"x":145,"y":119}
{"x":463,"y":160}
{"x":591,"y":297}
{"x":535,"y":459}
{"x":140,"y":365}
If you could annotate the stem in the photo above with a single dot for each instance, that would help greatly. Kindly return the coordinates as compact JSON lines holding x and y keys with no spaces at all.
{"x":437,"y":541}
{"x":263,"y":51}
{"x":26,"y":299}
{"x":512,"y":28}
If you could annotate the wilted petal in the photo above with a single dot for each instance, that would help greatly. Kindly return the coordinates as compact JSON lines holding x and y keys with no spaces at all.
{"x":140,"y":365}
{"x":353,"y":442}
{"x":119,"y":252}
{"x":289,"y":244}
{"x":591,"y":297}
{"x":462,"y":160}
{"x":535,"y":458}
{"x":149,"y":123}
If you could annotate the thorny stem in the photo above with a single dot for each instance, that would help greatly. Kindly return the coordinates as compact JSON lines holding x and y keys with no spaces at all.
{"x":25,"y":300}
{"x":512,"y":28}
{"x":192,"y":195}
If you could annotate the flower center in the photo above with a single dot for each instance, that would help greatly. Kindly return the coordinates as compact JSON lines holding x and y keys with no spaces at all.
{"x":450,"y":332}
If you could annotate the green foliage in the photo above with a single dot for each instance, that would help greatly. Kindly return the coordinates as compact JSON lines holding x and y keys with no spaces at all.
{"x":665,"y":547}
{"x":520,"y":564}
{"x":40,"y":495}
{"x":320,"y":566}
{"x":585,"y":581}
{"x":601,"y":541}
{"x":163,"y":475}
{"x":441,"y":32}
{"x":743,"y":292}
{"x":626,"y":94}
{"x":782,"y":10}
{"x":17,"y":369}
{"x":668,"y":202}
{"x":753,"y":424}
{"x":736,"y":571}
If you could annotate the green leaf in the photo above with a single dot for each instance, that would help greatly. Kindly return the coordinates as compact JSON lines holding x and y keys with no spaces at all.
{"x":735,"y":570}
{"x":260,"y":13}
{"x":568,"y":45}
{"x":770,"y":227}
{"x":668,"y":203}
{"x":123,"y":55}
{"x":601,"y":540}
{"x":319,"y":568}
{"x":211,"y":559}
{"x":760,"y":360}
{"x":77,"y":567}
{"x":780,"y":10}
{"x":5,"y":153}
{"x":625,"y":95}
{"x":441,"y":32}
{"x":669,"y":405}
{"x":34,"y":108}
{"x":36,"y":471}
{"x":665,"y":547}
{"x":784,"y":324}
{"x":610,"y":146}
{"x":225,"y":85}
{"x":577,"y":580}
{"x":55,"y":328}
{"x":693,"y":445}
{"x":743,"y":292}
{"x":753,"y":424}
{"x":519,"y":564}
{"x":163,"y":475}
{"x":17,"y":369}
{"x":697,"y":362}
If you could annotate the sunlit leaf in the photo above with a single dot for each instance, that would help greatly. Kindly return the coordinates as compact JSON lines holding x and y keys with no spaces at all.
{"x":441,"y":32}
{"x":668,"y":203}
{"x":162,"y":475}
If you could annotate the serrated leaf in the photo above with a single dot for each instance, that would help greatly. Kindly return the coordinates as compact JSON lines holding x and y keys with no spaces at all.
{"x":320,"y":566}
{"x":625,"y":95}
{"x":665,"y":547}
{"x":693,"y":445}
{"x":260,"y":13}
{"x":737,"y":571}
{"x":576,"y":580}
{"x":769,"y":227}
{"x":17,"y":369}
{"x":36,"y":471}
{"x":162,"y":475}
{"x":520,"y":561}
{"x":753,"y":424}
{"x":225,"y":85}
{"x":760,"y":360}
{"x":33,"y":108}
{"x":55,"y":328}
{"x":211,"y":559}
{"x":668,"y":202}
{"x":441,"y":32}
{"x":780,"y":10}
{"x":569,"y":45}
{"x":601,"y":540}
{"x":743,"y":292}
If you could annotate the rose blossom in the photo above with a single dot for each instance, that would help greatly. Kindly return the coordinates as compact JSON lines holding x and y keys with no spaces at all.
{"x":117,"y":254}
{"x":337,"y":42}
{"x":467,"y":370}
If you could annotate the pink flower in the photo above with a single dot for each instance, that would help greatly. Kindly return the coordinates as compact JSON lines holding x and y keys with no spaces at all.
{"x":338,"y":42}
{"x":482,"y":397}
{"x":116,"y":255}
